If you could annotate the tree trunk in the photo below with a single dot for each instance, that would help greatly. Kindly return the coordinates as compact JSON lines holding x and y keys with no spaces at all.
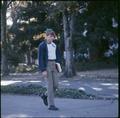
{"x":29,"y":57}
{"x":69,"y":68}
{"x":71,"y":44}
{"x":4,"y":65}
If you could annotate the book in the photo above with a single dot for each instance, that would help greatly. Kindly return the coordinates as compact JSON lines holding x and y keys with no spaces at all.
{"x":58,"y":67}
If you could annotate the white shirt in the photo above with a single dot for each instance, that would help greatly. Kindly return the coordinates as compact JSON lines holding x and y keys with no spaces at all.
{"x":51,"y":51}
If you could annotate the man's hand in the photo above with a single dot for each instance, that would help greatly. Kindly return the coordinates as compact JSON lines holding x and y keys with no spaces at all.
{"x":44,"y":73}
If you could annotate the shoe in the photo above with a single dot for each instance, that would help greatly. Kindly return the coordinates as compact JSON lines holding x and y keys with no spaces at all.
{"x":52,"y":107}
{"x":44,"y":98}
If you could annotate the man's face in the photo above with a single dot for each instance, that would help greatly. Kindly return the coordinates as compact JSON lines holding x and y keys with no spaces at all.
{"x":49,"y":38}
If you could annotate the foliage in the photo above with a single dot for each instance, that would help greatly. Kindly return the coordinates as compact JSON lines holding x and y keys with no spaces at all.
{"x":33,"y":17}
{"x":23,"y":68}
{"x":97,"y":20}
{"x":38,"y":90}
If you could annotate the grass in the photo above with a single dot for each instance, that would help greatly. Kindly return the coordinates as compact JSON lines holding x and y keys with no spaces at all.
{"x":38,"y":90}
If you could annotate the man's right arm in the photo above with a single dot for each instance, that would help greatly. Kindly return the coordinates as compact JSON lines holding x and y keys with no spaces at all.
{"x":41,"y":59}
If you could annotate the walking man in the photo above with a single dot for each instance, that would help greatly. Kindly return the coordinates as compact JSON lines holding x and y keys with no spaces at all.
{"x":48,"y":56}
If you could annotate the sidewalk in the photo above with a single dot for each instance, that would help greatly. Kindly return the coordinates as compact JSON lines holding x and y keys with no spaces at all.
{"x":102,"y":83}
{"x":32,"y":106}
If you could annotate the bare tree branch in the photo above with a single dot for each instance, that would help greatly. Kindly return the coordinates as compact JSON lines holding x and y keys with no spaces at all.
{"x":9,"y":3}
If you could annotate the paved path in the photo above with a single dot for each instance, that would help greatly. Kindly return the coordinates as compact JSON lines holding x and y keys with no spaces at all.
{"x":102,"y":83}
{"x":13,"y":106}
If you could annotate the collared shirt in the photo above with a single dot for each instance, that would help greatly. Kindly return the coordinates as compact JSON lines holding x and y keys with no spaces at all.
{"x":51,"y":51}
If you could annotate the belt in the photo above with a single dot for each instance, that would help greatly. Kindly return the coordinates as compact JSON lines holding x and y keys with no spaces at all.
{"x":51,"y":60}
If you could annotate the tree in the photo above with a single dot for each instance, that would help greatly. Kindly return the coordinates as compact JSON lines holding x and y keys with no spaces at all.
{"x":79,"y":25}
{"x":4,"y":67}
{"x":93,"y":28}
{"x":22,"y":31}
{"x":68,"y":32}
{"x":68,"y":9}
{"x":43,"y":9}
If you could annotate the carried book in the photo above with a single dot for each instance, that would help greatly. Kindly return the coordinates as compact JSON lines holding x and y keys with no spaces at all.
{"x":58,"y":67}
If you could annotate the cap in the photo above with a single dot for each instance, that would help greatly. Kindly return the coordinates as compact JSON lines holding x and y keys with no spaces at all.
{"x":50,"y":31}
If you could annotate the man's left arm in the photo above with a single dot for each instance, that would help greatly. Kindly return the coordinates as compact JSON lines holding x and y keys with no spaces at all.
{"x":58,"y":55}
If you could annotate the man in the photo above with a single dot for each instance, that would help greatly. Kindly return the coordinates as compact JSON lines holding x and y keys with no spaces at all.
{"x":49,"y":54}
